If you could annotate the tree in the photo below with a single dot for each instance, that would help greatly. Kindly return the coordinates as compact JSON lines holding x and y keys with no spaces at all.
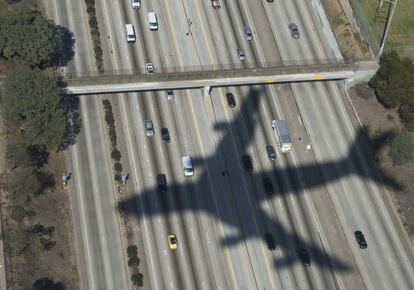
{"x":402,"y":148}
{"x":392,"y":82}
{"x":47,"y":284}
{"x":406,"y":112}
{"x":17,"y":155}
{"x":394,"y":87}
{"x":27,"y":37}
{"x":32,"y":99}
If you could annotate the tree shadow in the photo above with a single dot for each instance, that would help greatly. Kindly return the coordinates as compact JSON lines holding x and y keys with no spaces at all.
{"x":70,"y":103}
{"x":65,"y":44}
{"x":183,"y":197}
{"x":38,"y":155}
{"x":46,"y":181}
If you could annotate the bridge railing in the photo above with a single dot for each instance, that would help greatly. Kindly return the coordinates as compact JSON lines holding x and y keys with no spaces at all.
{"x":205,"y":72}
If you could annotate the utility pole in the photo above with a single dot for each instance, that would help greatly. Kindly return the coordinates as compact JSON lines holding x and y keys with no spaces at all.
{"x":391,"y":11}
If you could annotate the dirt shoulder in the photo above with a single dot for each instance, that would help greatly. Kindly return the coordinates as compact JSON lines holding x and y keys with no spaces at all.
{"x":376,"y":121}
{"x":39,"y":245}
{"x":351,"y":42}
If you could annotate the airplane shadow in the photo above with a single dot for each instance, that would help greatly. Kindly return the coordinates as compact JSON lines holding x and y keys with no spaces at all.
{"x":188,"y":197}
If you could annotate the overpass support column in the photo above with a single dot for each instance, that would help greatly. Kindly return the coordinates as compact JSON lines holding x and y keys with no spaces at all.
{"x":206,"y":91}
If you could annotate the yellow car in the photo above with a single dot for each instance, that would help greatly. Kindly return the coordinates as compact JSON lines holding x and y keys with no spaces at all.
{"x":172,"y":241}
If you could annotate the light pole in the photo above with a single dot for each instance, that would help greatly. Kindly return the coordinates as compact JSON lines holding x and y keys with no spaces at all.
{"x":391,"y":11}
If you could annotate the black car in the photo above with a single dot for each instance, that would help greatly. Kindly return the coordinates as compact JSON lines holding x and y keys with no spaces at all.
{"x":247,"y":162}
{"x":165,"y":135}
{"x":268,"y":186}
{"x":270,"y":242}
{"x":162,"y":183}
{"x":304,"y":256}
{"x":231,"y":101}
{"x":271,"y":153}
{"x":362,"y":243}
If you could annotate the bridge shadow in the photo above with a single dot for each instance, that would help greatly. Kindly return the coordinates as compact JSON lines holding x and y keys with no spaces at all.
{"x":217,"y":189}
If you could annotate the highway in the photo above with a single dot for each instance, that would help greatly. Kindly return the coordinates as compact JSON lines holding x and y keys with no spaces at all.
{"x":221,"y":214}
{"x":97,"y":231}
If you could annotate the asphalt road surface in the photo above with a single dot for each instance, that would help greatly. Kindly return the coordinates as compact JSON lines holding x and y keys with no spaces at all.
{"x":220,"y":215}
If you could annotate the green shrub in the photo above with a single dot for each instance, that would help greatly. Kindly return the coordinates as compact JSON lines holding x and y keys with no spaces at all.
{"x":402,"y":148}
{"x":133,"y":261}
{"x":98,"y":52}
{"x":18,"y":213}
{"x":112,"y":137}
{"x":20,"y":240}
{"x":93,"y":23}
{"x":116,"y":155}
{"x":90,"y":9}
{"x":407,"y":116}
{"x":137,"y":279}
{"x":118,"y":167}
{"x":132,"y":251}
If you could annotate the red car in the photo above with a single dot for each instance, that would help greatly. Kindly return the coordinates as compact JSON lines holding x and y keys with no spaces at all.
{"x":216,"y":4}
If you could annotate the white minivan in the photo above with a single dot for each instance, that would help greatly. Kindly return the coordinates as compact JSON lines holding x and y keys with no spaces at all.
{"x":152,"y":20}
{"x":187,"y":166}
{"x":130,"y":33}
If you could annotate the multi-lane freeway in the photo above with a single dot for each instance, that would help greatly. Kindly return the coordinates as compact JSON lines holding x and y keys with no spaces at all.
{"x":322,"y":193}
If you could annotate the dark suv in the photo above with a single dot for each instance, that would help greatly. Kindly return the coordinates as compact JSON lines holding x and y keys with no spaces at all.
{"x":230,"y":100}
{"x":165,"y":135}
{"x":270,"y":242}
{"x":268,"y":186}
{"x":362,"y":243}
{"x":271,"y":152}
{"x":304,"y":256}
{"x":162,"y":183}
{"x":247,"y":162}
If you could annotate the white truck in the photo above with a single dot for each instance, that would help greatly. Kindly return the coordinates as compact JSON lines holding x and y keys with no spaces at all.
{"x":282,"y":135}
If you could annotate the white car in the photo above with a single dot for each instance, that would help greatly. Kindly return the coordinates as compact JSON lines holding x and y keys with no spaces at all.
{"x":149,"y":67}
{"x":136,"y":4}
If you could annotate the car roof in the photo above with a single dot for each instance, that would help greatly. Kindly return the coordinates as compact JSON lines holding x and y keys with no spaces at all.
{"x":161,"y":178}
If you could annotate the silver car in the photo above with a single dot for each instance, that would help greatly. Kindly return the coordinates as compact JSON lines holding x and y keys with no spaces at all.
{"x":149,"y":128}
{"x":149,"y":67}
{"x":294,"y":30}
{"x":248,"y":34}
{"x":241,"y":54}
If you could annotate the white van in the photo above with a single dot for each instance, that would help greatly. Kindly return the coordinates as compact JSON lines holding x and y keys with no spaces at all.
{"x":187,"y":166}
{"x":130,"y":33}
{"x":152,"y":20}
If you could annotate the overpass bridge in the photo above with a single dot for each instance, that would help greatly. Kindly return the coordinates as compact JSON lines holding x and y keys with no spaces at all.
{"x":206,"y":78}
